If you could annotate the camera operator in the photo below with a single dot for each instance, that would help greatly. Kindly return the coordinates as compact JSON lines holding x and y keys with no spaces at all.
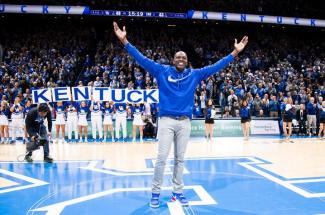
{"x":37,"y":131}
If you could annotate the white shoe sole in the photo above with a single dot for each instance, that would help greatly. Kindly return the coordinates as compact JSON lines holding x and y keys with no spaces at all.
{"x":153,"y":206}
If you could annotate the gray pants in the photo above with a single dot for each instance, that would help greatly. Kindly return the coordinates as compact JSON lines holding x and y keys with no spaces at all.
{"x":312,"y":120}
{"x":171,"y":131}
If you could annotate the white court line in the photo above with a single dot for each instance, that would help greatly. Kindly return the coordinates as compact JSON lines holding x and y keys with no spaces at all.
{"x":34,"y":182}
{"x":92,"y":167}
{"x":248,"y":165}
{"x":175,"y":208}
{"x":42,"y":162}
{"x":56,"y":209}
{"x":307,"y":180}
{"x":287,"y":184}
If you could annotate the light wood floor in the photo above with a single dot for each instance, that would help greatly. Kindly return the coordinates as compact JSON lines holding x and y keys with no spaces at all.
{"x":291,"y":159}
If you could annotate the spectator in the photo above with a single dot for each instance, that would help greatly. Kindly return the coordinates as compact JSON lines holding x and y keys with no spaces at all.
{"x":311,"y":116}
{"x":274,"y":107}
{"x":301,"y":117}
{"x":197,"y":113}
{"x":233,"y":102}
{"x":257,"y":105}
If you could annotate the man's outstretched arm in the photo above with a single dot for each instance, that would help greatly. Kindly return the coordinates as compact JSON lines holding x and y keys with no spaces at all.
{"x":146,"y":63}
{"x":207,"y":71}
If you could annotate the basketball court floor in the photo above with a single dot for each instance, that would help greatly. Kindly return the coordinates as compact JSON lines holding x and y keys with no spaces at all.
{"x":264,"y":175}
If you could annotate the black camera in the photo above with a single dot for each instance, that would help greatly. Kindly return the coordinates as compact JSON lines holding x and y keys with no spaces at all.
{"x":34,"y":145}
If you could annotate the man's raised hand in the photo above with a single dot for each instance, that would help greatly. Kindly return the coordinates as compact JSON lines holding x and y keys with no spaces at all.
{"x":121,"y":34}
{"x":241,"y":45}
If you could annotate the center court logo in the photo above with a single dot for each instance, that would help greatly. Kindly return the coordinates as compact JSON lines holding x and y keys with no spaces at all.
{"x":213,"y":185}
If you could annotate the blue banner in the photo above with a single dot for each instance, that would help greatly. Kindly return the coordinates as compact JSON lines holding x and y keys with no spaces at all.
{"x":191,"y":14}
{"x":44,"y":9}
{"x":242,"y":17}
{"x":95,"y":94}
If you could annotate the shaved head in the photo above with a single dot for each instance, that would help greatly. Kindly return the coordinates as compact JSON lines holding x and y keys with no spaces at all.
{"x":180,"y":53}
{"x":180,"y":61}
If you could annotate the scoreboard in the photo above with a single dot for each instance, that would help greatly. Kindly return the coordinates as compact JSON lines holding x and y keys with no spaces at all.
{"x":139,"y":14}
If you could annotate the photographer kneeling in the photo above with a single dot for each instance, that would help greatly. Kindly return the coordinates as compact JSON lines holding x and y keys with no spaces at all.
{"x":37,"y":131}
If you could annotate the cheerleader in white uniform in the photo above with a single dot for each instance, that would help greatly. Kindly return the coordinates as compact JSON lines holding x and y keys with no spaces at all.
{"x":82,"y":120}
{"x":120,"y":110}
{"x":137,"y":112}
{"x":59,"y":121}
{"x":96,"y":120}
{"x":72,"y":120}
{"x":108,"y":111}
{"x":27,"y":108}
{"x":4,"y":114}
{"x":17,"y":119}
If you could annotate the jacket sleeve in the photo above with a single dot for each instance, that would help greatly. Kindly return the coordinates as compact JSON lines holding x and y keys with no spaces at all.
{"x":149,"y":65}
{"x":207,"y":71}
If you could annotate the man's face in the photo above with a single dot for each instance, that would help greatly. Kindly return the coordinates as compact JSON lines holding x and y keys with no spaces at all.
{"x":180,"y":60}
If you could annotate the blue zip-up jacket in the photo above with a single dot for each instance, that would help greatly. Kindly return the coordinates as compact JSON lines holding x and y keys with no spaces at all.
{"x":176,"y":89}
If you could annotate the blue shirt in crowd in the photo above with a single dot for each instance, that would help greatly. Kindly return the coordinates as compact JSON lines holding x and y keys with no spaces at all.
{"x":311,"y":109}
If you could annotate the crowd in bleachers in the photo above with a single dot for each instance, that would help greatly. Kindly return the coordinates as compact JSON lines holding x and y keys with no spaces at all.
{"x":275,"y":66}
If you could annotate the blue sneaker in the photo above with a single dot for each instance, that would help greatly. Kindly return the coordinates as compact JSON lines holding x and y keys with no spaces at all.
{"x":180,"y":197}
{"x":154,"y":201}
